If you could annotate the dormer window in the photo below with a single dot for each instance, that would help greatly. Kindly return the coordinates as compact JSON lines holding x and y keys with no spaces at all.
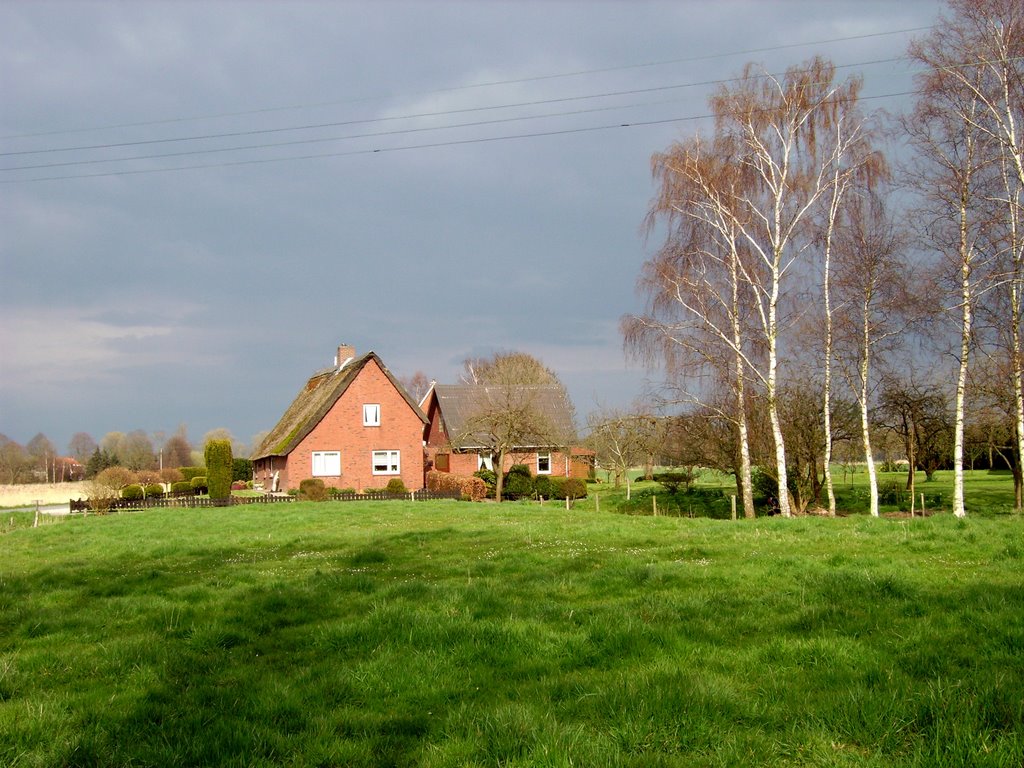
{"x":371,"y":415}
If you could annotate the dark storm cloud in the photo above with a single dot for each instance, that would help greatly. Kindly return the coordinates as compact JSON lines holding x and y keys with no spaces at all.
{"x":206,"y":296}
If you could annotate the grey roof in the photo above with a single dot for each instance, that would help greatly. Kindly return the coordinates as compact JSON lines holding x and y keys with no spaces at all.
{"x":315,"y":401}
{"x":464,"y":410}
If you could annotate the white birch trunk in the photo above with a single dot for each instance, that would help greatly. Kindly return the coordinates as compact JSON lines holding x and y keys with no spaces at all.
{"x":865,"y":423}
{"x":961,"y":380}
{"x":773,"y":403}
{"x":741,"y":401}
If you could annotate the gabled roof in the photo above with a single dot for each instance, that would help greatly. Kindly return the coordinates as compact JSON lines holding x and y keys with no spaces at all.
{"x":461,"y":405}
{"x":315,"y":401}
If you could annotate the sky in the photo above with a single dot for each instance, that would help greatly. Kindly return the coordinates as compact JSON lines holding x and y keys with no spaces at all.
{"x":199,"y":201}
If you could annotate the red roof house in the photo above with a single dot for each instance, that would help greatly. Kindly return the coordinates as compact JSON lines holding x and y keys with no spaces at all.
{"x":461,"y":434}
{"x":352,"y":425}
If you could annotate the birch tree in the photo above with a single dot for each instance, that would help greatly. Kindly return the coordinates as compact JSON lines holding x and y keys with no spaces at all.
{"x":696,"y":317}
{"x":739,"y":206}
{"x":870,"y":282}
{"x":946,"y":129}
{"x":776,"y":127}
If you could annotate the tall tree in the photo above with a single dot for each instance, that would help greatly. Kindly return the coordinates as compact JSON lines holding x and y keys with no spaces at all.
{"x":741,"y":204}
{"x":177,"y":451}
{"x":956,"y":150}
{"x":416,"y":385}
{"x":870,"y":282}
{"x":516,"y":401}
{"x":621,"y":439}
{"x":81,"y":446}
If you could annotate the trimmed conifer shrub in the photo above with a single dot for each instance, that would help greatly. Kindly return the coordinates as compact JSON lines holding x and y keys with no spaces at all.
{"x":396,"y":486}
{"x":219,"y":467}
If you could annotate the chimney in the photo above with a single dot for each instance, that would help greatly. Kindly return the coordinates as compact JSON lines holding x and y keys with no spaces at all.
{"x":345,"y":353}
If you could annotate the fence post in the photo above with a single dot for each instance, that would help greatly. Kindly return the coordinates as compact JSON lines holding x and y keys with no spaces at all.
{"x":35,"y":523}
{"x":732,"y":499}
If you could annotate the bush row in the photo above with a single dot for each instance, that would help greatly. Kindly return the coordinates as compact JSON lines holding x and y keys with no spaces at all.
{"x":520,"y":484}
{"x":471,"y":488}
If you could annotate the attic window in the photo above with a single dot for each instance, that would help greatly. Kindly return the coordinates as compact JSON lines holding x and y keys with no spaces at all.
{"x":371,"y":415}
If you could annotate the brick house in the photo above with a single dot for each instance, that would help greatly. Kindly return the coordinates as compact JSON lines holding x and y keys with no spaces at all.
{"x":352,"y":425}
{"x":456,"y":440}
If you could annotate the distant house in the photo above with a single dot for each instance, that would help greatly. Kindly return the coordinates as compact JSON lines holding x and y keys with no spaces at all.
{"x":465,"y":421}
{"x":352,"y":425}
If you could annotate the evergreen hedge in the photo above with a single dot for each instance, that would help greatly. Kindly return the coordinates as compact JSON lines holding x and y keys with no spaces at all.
{"x":219,"y":467}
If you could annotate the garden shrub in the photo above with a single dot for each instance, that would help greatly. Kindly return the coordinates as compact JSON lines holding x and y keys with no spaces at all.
{"x":334,"y":492}
{"x":241,"y":469}
{"x":469,"y":488}
{"x":188,"y":473}
{"x":181,"y":487}
{"x":518,"y":483}
{"x":396,"y":486}
{"x":312,"y":489}
{"x":147,"y":477}
{"x":573,"y":488}
{"x":545,"y":486}
{"x":198,"y":485}
{"x":115,"y":478}
{"x":490,"y":480}
{"x":133,"y":492}
{"x":154,"y":491}
{"x":171,"y":475}
{"x":672,"y":480}
{"x":218,"y":470}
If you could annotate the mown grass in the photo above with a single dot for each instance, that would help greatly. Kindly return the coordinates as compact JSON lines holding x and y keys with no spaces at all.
{"x":454,"y":634}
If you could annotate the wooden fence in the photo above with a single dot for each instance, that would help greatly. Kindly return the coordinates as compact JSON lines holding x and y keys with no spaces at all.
{"x":192,"y":502}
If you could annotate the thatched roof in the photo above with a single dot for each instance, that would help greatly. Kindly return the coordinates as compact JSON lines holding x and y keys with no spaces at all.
{"x":315,"y":401}
{"x":470,"y":412}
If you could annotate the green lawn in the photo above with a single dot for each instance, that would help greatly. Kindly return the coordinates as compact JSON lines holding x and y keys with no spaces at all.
{"x":457,"y":634}
{"x":985,"y":493}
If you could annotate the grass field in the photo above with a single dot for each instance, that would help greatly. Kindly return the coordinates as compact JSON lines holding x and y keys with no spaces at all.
{"x":457,"y":634}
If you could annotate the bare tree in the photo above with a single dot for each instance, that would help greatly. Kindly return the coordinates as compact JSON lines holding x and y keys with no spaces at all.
{"x":177,"y":451}
{"x":743,"y":202}
{"x":621,"y":440}
{"x":966,"y":126}
{"x":918,"y":414}
{"x":416,"y":385}
{"x":81,"y":446}
{"x":515,"y":401}
{"x":870,"y":281}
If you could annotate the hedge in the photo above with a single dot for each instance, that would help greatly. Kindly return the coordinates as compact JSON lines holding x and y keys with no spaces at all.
{"x":472,"y":488}
{"x":218,"y":468}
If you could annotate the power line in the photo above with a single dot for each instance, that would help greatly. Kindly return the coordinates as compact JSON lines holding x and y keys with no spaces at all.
{"x":473,"y":86}
{"x":444,"y":113}
{"x":384,"y":150}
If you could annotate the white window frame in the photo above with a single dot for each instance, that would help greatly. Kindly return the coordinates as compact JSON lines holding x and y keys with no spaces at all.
{"x":371,"y":414}
{"x":392,"y":461}
{"x":546,"y":457}
{"x":485,"y":461}
{"x":328,"y":461}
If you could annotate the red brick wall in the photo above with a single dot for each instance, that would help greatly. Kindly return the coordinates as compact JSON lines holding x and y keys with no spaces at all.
{"x":466,"y":464}
{"x":342,"y":430}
